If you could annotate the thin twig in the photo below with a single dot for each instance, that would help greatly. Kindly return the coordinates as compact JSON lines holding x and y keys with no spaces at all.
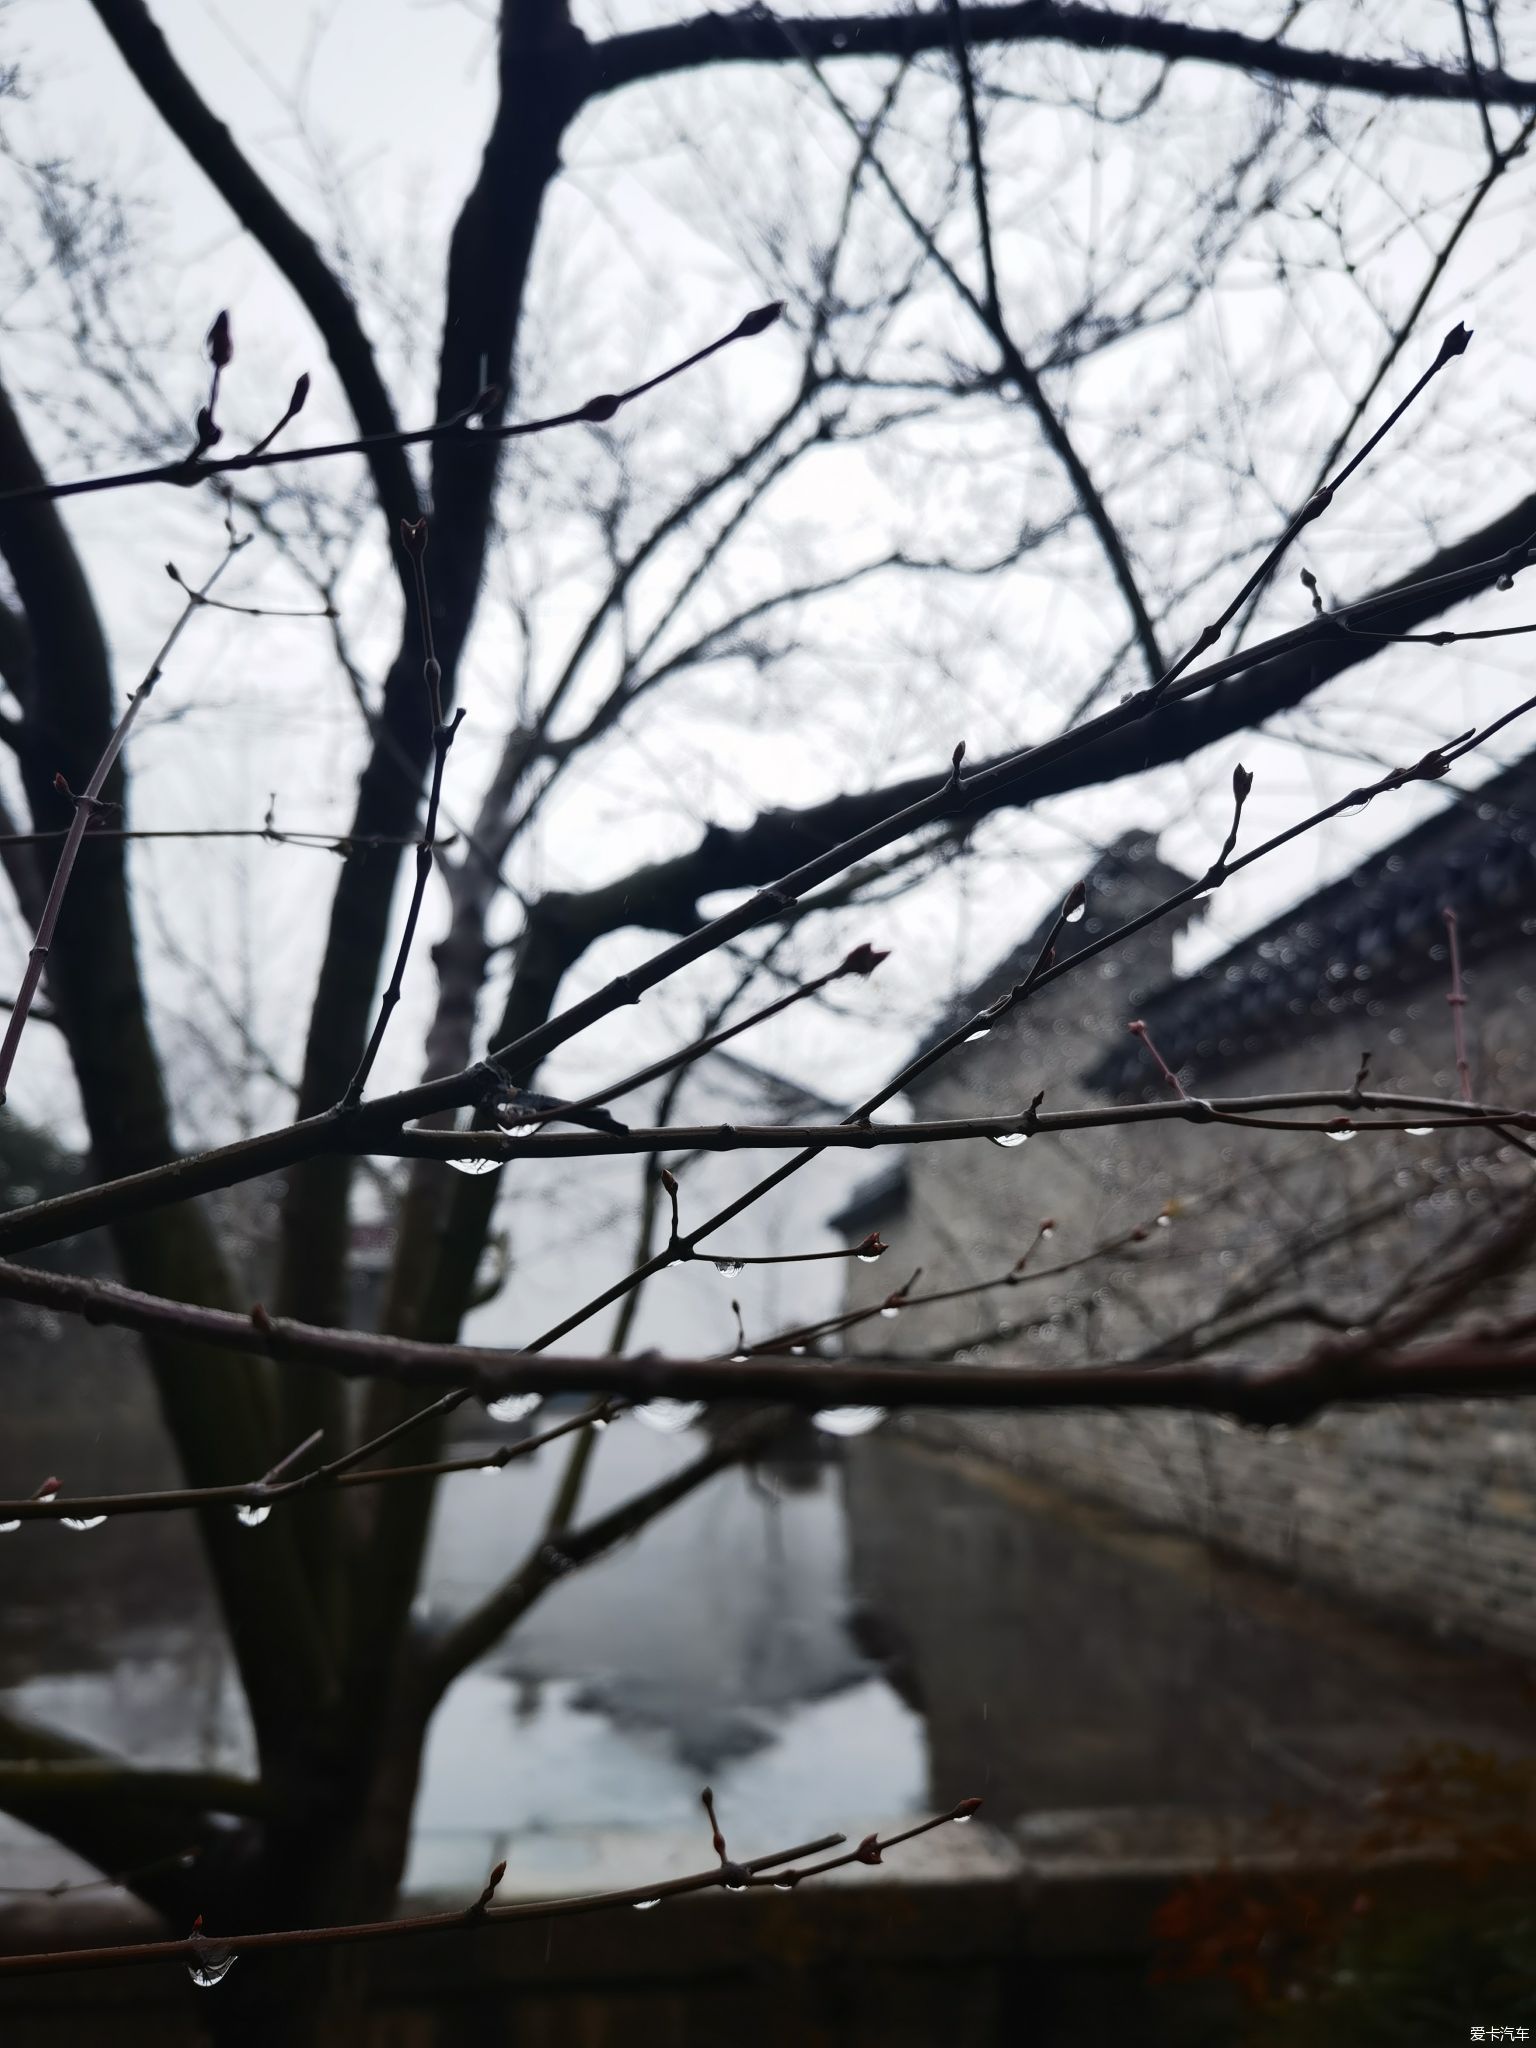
{"x":197,"y":469}
{"x":195,"y":1948}
{"x":87,"y":807}
{"x":261,"y":1495}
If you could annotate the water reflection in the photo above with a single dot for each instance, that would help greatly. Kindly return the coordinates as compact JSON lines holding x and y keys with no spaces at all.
{"x":718,"y":1646}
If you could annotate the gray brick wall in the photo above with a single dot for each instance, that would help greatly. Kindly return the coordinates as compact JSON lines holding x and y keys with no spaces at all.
{"x":1427,"y":1511}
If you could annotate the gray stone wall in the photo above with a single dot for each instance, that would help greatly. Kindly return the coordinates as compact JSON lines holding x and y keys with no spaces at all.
{"x":1429,"y":1511}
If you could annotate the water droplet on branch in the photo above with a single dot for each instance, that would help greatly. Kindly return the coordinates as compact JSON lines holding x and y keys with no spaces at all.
{"x":512,"y":1407}
{"x":645,"y":1905}
{"x":1342,"y":1137}
{"x":1418,"y":1131}
{"x":474,"y":1165}
{"x":211,"y":1962}
{"x":848,"y":1421}
{"x":890,"y":1312}
{"x":971,"y":1037}
{"x":82,"y":1521}
{"x":729,"y":1268}
{"x":668,"y":1418}
{"x":7,"y":1527}
{"x":1008,"y":1139}
{"x":251,"y":1514}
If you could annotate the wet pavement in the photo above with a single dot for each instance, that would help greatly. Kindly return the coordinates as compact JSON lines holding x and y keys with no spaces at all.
{"x":831,"y":1641}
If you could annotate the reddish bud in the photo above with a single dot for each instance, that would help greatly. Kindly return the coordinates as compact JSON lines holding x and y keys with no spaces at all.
{"x":868,"y":1850}
{"x":755,"y":322}
{"x":669,"y":1180}
{"x":603,"y":407}
{"x":1242,"y":783}
{"x":966,"y":1808}
{"x":871,"y":1247}
{"x":300,"y":393}
{"x":862,"y":960}
{"x":47,"y":1490}
{"x":220,"y":347}
{"x":496,"y":1876}
{"x":958,"y":755}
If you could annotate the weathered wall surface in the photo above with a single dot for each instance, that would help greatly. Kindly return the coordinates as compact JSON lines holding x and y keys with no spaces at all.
{"x":1429,"y":1511}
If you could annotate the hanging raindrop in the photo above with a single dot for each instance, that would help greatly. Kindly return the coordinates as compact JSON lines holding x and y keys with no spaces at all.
{"x":668,"y":1418}
{"x":1341,"y":1137}
{"x":848,"y":1421}
{"x":82,"y":1521}
{"x":738,"y":1358}
{"x":1008,"y":1139}
{"x":890,"y":1312}
{"x":972,"y":1036}
{"x":729,"y":1268}
{"x":251,"y":1515}
{"x":474,"y":1165}
{"x":795,"y":1351}
{"x":211,"y":1962}
{"x":7,"y":1527}
{"x":1418,"y":1130}
{"x":512,"y":1407}
{"x":645,"y":1905}
{"x":868,"y":1258}
{"x":1076,"y":914}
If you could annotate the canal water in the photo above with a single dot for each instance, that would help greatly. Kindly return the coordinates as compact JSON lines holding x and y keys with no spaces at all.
{"x":832,"y":1640}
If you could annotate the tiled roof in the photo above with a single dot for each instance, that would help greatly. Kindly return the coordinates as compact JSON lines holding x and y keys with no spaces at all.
{"x":1380,"y":927}
{"x":1328,"y":958}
